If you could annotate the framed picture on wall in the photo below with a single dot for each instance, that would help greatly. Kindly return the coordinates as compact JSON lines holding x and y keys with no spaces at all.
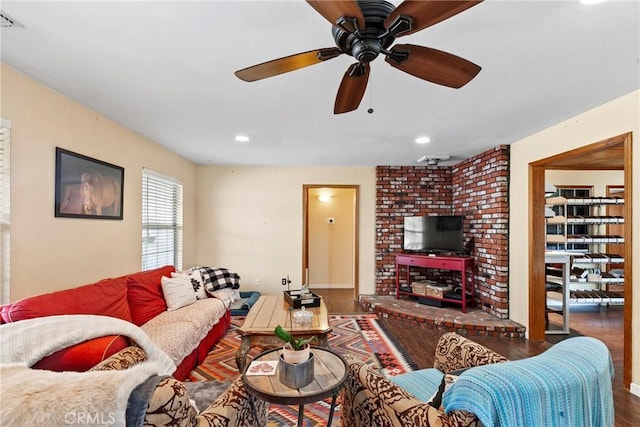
{"x":87,"y":187}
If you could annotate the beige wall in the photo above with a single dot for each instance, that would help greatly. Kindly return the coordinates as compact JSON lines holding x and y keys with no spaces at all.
{"x":598,"y":179}
{"x":331,"y":244}
{"x":250,"y":220}
{"x":49,"y":253}
{"x":617,"y":117}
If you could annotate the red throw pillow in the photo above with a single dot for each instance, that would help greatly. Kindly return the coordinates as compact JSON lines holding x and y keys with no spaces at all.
{"x":84,"y":356}
{"x":144,"y":292}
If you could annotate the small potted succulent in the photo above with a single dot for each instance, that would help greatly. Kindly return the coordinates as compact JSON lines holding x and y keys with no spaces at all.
{"x":296,"y":349}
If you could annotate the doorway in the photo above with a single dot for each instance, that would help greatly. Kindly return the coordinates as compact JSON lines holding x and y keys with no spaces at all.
{"x":610,"y":154}
{"x":330,"y":238}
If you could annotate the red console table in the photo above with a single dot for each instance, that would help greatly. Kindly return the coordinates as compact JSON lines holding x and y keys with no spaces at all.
{"x":451,"y":263}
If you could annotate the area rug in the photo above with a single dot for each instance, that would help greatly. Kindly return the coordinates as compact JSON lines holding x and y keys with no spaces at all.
{"x":358,"y":335}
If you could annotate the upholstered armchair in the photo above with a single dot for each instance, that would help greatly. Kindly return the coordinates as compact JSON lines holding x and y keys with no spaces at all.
{"x":166,"y":400}
{"x":369,"y":398}
{"x":568,"y":384}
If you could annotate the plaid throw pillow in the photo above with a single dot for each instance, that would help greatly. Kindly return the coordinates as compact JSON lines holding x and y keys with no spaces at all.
{"x":218,"y":278}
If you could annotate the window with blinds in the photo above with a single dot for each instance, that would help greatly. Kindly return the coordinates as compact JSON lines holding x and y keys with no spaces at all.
{"x":5,"y":218}
{"x":161,"y":221}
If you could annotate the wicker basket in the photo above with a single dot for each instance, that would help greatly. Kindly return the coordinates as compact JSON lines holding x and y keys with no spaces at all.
{"x":437,"y":291}
{"x":418,"y":288}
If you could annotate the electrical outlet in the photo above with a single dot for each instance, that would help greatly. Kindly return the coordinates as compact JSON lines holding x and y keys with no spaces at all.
{"x":257,"y":282}
{"x":284,"y":281}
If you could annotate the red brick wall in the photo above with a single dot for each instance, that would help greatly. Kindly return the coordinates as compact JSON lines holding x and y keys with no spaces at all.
{"x":476,"y":188}
{"x":405,"y":191}
{"x":481,"y":194}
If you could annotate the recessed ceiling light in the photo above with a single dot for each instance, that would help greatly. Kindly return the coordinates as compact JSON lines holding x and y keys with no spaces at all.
{"x":423,"y":140}
{"x":241,"y":138}
{"x":591,"y":1}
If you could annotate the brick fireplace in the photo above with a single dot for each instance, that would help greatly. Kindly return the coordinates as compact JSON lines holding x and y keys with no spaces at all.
{"x":477,"y":188}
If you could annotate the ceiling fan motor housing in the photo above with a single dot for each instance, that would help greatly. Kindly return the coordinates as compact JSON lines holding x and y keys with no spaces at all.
{"x":366,"y":44}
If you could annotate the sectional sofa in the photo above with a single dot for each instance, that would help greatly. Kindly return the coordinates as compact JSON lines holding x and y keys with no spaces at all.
{"x":136,"y":302}
{"x":186,"y":334}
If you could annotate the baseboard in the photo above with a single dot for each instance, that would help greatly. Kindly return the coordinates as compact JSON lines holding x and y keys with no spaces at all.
{"x":635,"y":389}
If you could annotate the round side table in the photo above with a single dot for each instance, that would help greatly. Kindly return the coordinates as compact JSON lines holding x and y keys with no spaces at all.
{"x":330,"y":373}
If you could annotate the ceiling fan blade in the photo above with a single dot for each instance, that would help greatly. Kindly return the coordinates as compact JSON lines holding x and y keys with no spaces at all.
{"x":352,"y":88}
{"x":425,"y":14}
{"x":286,"y":64}
{"x":336,"y":11}
{"x":432,"y":65}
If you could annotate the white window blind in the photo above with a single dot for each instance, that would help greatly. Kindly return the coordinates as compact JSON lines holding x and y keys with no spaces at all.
{"x":5,"y":218}
{"x":161,"y":221}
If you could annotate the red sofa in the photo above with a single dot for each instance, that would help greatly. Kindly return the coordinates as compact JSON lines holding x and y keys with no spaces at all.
{"x":137,"y":298}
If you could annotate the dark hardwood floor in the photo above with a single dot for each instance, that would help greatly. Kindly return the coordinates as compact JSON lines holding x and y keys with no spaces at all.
{"x":340,"y":301}
{"x":602,"y":323}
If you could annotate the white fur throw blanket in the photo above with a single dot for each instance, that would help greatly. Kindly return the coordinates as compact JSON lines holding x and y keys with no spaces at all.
{"x":38,"y":397}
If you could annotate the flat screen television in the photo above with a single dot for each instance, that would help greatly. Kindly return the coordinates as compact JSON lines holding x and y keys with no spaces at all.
{"x":434,"y":233}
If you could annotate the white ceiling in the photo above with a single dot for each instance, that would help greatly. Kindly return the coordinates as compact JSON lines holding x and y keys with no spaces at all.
{"x":165,"y":70}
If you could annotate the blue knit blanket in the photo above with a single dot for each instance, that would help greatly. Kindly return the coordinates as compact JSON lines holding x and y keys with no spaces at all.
{"x":567,"y":385}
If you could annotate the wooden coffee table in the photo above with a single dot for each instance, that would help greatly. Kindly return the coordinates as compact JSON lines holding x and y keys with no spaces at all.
{"x":270,"y":311}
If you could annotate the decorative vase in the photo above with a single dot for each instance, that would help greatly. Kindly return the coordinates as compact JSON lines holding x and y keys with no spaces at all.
{"x":296,"y":375}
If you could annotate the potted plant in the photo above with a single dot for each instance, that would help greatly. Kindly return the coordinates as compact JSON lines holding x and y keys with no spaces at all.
{"x":296,"y":349}
{"x":295,"y":367}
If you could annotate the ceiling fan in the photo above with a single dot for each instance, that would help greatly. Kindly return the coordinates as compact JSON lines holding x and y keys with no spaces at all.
{"x":366,"y":28}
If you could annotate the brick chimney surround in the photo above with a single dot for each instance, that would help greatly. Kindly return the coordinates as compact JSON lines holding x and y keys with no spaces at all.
{"x":477,"y":188}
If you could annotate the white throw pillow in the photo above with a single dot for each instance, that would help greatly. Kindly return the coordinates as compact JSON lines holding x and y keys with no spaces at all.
{"x":196,"y":281}
{"x":178,"y":292}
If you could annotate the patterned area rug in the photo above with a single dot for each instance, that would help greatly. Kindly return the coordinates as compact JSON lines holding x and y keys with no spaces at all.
{"x":359,"y":335}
